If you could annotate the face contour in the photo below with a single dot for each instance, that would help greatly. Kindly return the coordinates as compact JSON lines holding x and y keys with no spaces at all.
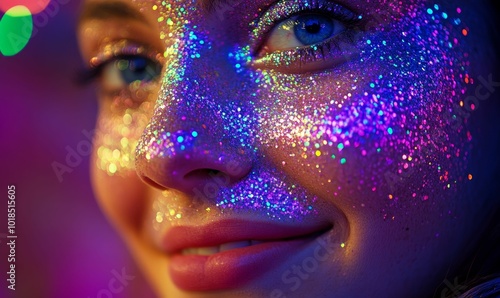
{"x":283,"y":148}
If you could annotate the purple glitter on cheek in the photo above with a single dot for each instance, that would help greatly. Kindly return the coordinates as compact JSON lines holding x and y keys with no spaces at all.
{"x":383,"y":125}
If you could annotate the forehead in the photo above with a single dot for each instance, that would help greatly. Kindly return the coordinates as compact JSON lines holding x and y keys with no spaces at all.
{"x":120,"y":9}
{"x":133,"y":8}
{"x":130,"y":8}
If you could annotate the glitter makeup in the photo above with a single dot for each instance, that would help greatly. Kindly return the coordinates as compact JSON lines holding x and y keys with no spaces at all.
{"x":278,"y":129}
{"x":128,"y":74}
{"x":392,"y":131}
{"x":379,"y":124}
{"x":330,"y":51}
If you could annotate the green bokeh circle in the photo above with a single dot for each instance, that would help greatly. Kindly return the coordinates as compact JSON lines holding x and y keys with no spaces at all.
{"x":16,"y":27}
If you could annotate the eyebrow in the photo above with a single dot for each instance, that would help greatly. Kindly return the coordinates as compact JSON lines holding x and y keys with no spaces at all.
{"x":110,"y":9}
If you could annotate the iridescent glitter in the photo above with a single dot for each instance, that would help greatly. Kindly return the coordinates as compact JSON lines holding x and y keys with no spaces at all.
{"x":397,"y":119}
{"x":210,"y":114}
{"x":380,"y":122}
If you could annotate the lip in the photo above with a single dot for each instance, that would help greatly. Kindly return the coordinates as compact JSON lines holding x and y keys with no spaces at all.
{"x":233,"y":268}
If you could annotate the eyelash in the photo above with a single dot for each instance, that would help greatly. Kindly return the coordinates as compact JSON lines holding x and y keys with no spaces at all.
{"x":279,"y":12}
{"x":113,"y":52}
{"x":329,"y":48}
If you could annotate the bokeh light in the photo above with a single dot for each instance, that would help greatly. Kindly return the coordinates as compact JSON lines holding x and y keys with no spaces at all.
{"x":16,"y":27}
{"x":34,"y":6}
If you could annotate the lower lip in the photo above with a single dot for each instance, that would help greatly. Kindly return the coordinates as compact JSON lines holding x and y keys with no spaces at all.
{"x":232,"y":268}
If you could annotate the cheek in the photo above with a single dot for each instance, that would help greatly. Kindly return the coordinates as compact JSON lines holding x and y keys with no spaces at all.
{"x":385,"y":129}
{"x":122,"y":198}
{"x":118,"y":130}
{"x":120,"y":192}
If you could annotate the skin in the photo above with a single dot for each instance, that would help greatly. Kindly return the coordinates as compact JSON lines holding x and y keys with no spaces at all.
{"x":398,"y":228}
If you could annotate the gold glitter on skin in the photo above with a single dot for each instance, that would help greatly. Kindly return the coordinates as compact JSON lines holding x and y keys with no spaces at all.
{"x":125,"y":108}
{"x":118,"y":137}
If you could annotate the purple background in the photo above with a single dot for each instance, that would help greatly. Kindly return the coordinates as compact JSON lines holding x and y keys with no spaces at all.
{"x":65,"y":246}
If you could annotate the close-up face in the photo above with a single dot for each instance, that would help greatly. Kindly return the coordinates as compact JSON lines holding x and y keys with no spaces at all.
{"x":290,"y":148}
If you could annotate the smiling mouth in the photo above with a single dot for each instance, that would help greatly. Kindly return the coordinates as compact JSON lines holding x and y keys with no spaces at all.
{"x":208,"y":251}
{"x":211,"y":250}
{"x":220,"y":255}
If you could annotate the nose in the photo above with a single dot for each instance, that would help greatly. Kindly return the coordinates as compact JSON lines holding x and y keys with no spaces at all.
{"x":202,"y":129}
{"x":191,"y":161}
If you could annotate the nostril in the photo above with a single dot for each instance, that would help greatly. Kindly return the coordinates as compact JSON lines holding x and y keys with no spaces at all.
{"x":208,"y":178}
{"x":201,"y":174}
{"x":194,"y":178}
{"x":152,"y":183}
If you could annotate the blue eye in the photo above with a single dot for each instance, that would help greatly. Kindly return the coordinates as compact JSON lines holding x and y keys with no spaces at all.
{"x":303,"y":36}
{"x":128,"y":70}
{"x":313,"y":28}
{"x":136,"y":68}
{"x":302,"y":30}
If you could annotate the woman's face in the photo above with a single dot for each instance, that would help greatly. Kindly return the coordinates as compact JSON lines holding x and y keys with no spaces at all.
{"x":288,"y":148}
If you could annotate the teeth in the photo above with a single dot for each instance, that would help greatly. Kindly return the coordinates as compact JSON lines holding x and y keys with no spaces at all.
{"x":233,"y":245}
{"x":207,"y":251}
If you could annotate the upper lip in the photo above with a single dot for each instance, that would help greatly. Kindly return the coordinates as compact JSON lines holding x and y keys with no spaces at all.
{"x":232,"y":230}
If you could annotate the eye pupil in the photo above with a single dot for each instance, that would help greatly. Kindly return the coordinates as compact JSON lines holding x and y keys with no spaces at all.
{"x":134,"y":69}
{"x":313,"y":28}
{"x":138,"y":64}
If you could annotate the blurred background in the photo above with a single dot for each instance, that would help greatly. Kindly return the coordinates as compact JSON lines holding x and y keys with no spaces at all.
{"x":65,"y":246}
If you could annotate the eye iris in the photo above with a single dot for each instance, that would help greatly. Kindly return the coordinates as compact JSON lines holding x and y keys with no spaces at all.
{"x":311,"y":29}
{"x":138,"y":69}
